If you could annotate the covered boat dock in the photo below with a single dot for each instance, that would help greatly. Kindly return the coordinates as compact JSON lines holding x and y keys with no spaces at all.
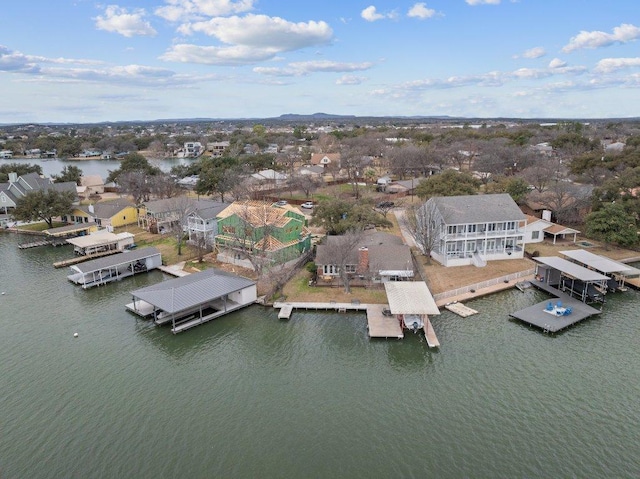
{"x":616,"y":271}
{"x":101,"y":241}
{"x":114,"y":268}
{"x":192,"y":300}
{"x":410,"y":302}
{"x":569,"y":277}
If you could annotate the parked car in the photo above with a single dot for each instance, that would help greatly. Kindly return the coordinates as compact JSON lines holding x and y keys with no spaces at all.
{"x":307,"y":205}
{"x":281,"y":203}
{"x":385,"y":204}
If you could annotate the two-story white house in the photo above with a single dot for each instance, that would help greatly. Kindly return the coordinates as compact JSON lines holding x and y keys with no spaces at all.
{"x":202,"y":222}
{"x":473,"y":229}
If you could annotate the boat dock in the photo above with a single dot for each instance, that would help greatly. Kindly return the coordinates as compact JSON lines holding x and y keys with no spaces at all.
{"x":430,"y":334}
{"x":285,"y":312}
{"x":34,"y":244}
{"x":379,"y":325}
{"x":460,"y":309}
{"x":82,"y":259}
{"x":101,"y":271}
{"x":549,"y":319}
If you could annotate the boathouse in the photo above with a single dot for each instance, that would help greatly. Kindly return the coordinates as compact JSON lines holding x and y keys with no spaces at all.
{"x":114,"y":268}
{"x":101,"y":241}
{"x":584,"y":283}
{"x":194,"y":299}
{"x":616,"y":271}
{"x":411,"y":302}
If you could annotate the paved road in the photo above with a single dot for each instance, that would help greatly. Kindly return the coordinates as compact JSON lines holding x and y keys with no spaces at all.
{"x":404,"y":228}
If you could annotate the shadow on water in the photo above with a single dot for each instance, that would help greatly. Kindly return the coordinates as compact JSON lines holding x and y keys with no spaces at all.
{"x":412,"y":353}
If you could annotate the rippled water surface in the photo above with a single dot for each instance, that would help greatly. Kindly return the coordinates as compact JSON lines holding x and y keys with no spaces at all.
{"x":248,"y":395}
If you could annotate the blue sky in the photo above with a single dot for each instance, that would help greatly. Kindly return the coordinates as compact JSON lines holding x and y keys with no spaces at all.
{"x":82,"y":61}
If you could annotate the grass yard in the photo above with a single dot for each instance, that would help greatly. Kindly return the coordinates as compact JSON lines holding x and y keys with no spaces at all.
{"x":41,"y":226}
{"x":298,"y":289}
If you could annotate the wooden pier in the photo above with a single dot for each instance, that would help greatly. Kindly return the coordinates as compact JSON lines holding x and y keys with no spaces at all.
{"x":82,"y":259}
{"x":285,"y":312}
{"x":34,"y":244}
{"x":381,"y":326}
{"x":430,"y":334}
{"x":460,"y":309}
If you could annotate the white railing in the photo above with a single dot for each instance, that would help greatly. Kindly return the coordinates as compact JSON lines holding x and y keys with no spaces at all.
{"x":484,"y":284}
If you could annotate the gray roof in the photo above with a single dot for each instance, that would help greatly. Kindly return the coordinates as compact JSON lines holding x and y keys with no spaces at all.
{"x":115,"y":260}
{"x":390,"y":258}
{"x":107,"y":209}
{"x":571,"y":269}
{"x":597,"y":262}
{"x":325,"y":253}
{"x":169,"y":205}
{"x":208,"y":210}
{"x":478,"y":209}
{"x":192,"y":290}
{"x":69,"y":228}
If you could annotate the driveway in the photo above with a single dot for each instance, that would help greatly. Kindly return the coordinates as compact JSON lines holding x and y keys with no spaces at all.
{"x":401,"y":216}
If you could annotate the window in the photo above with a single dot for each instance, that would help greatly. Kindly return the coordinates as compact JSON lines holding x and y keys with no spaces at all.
{"x":491,"y":227}
{"x":330,"y":269}
{"x":350,"y":268}
{"x":535,"y":235}
{"x":451,"y":230}
{"x":511,"y":225}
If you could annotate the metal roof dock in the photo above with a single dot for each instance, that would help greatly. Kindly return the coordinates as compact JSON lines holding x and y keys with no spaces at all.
{"x":114,"y":268}
{"x":192,"y":300}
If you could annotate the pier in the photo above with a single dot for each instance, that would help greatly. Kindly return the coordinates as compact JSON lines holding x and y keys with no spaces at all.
{"x":82,"y":259}
{"x":460,"y":309}
{"x":547,"y":319}
{"x":430,"y":334}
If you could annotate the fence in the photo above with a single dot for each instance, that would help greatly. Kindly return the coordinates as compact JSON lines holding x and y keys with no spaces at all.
{"x":484,"y":284}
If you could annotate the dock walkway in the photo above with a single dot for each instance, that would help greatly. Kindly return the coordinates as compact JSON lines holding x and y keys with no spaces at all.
{"x":537,"y":315}
{"x":379,"y":325}
{"x":430,"y":334}
{"x":82,"y":259}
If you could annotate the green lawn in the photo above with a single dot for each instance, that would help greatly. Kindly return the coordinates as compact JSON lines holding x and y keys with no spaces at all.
{"x":40,"y":226}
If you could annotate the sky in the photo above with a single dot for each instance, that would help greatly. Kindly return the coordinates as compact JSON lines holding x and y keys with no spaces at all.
{"x":82,"y":61}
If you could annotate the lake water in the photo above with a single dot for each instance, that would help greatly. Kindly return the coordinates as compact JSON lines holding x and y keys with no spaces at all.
{"x":248,"y":395}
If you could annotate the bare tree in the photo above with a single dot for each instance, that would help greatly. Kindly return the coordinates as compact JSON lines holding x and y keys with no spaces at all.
{"x":163,"y":186}
{"x":305,"y":183}
{"x":136,"y":184}
{"x":181,"y":207}
{"x":422,"y":222}
{"x":344,"y":249}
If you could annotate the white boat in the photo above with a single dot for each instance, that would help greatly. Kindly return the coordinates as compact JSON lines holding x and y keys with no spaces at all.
{"x":413,"y":322}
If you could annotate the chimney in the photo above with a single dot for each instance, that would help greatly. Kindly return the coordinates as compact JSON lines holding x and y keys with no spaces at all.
{"x":363,"y":260}
{"x":13,"y":177}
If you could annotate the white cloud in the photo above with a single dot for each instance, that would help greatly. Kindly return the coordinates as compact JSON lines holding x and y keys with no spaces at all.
{"x":350,"y":80}
{"x":248,"y":39}
{"x":625,"y":33}
{"x":483,"y":2}
{"x":420,"y":10}
{"x":608,"y":65}
{"x":371,"y":14}
{"x":262,"y":31}
{"x":128,"y":24}
{"x":557,"y":63}
{"x":210,"y":55}
{"x":532,"y":53}
{"x":177,"y":10}
{"x":305,"y":68}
